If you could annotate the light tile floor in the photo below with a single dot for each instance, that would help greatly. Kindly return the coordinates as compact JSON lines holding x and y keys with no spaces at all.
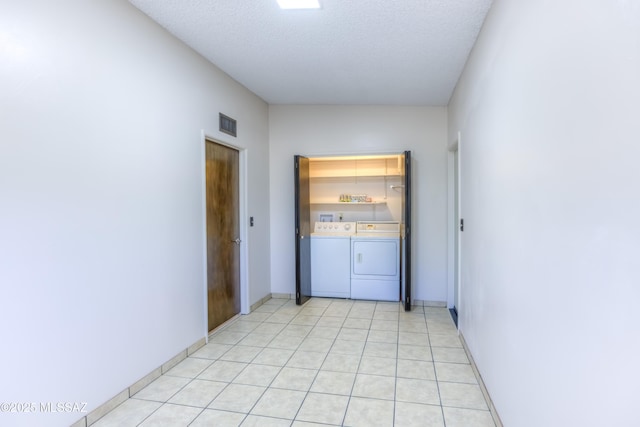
{"x":330,"y":362}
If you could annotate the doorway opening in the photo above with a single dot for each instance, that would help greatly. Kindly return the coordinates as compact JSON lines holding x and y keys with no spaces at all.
{"x":351,"y":189}
{"x":455,"y":228}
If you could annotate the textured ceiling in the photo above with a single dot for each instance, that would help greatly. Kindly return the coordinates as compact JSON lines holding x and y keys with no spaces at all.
{"x":407,"y":52}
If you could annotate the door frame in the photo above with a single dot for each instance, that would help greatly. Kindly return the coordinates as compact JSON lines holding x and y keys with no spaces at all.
{"x":452,"y":224}
{"x":406,"y":298}
{"x":244,"y":265}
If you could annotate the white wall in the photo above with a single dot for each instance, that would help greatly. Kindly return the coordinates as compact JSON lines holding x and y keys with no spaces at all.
{"x":326,"y":130}
{"x":548,"y":111}
{"x":101,"y":208}
{"x":378,"y":188}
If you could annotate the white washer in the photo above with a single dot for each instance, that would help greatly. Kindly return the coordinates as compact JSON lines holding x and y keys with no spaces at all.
{"x":330,"y":259}
{"x":375,"y":261}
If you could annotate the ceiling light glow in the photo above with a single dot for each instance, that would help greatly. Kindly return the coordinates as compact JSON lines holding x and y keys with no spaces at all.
{"x":299,"y":4}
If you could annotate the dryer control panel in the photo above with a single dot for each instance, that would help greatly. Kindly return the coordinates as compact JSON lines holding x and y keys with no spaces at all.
{"x":378,"y":227}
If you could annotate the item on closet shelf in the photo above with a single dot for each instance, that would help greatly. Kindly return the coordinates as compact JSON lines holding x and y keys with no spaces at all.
{"x":354,"y":198}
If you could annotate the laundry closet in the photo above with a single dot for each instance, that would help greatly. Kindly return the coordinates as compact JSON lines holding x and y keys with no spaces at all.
{"x":354,"y":212}
{"x":357,"y":188}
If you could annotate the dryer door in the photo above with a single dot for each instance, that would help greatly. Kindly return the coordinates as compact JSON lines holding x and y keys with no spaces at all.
{"x":377,"y":258}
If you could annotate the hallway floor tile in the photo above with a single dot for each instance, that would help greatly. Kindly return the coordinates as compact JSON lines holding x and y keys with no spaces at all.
{"x":330,"y":362}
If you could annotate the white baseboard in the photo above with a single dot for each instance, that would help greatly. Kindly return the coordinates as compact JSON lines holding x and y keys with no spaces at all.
{"x":422,"y":303}
{"x":485,"y":392}
{"x":93,"y":416}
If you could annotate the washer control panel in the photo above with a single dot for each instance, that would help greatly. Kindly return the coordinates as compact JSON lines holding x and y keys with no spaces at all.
{"x":335,"y":227}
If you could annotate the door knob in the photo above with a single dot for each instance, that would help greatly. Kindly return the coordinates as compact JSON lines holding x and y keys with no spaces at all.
{"x":237,"y":241}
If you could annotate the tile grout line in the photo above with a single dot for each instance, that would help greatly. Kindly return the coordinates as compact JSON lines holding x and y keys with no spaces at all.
{"x":166,"y":401}
{"x":236,"y":320}
{"x":316,"y":376}
{"x":435,"y":372}
{"x":285,"y":363}
{"x":395,"y":385}
{"x":355,"y":376}
{"x":279,"y":371}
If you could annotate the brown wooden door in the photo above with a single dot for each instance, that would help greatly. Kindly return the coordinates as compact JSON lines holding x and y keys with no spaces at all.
{"x":223,"y":233}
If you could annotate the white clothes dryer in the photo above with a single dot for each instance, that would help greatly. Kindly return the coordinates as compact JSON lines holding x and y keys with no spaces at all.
{"x":375,"y":261}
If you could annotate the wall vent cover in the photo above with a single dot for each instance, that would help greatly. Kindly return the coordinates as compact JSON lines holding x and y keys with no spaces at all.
{"x":228,"y":125}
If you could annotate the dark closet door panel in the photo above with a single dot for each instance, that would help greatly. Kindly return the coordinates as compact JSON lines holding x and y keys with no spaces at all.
{"x":302,"y":229}
{"x":406,"y":280}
